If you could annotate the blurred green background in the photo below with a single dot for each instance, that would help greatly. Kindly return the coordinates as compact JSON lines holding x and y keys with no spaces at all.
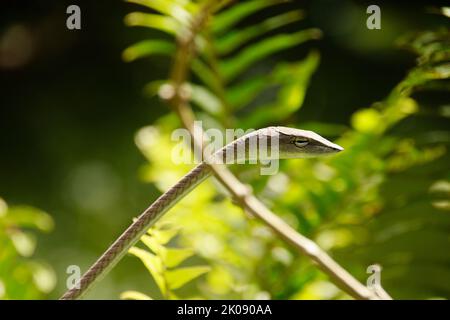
{"x":70,"y":108}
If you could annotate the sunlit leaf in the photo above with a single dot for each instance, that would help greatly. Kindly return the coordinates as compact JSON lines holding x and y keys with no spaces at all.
{"x":155,"y":21}
{"x":134,"y":295}
{"x":205,"y":99}
{"x":173,"y":296}
{"x":205,"y":74}
{"x":23,"y":242}
{"x":446,"y":11}
{"x":167,"y":7}
{"x":292,"y":81}
{"x":153,"y":88}
{"x":231,"y":16}
{"x":431,"y":46}
{"x":28,"y":217}
{"x":153,"y":264}
{"x":220,"y":280}
{"x":317,"y":290}
{"x":153,"y":245}
{"x":43,"y":276}
{"x":175,"y":256}
{"x":232,"y":67}
{"x":179,"y":277}
{"x":2,"y":289}
{"x":147,"y":48}
{"x":295,"y":79}
{"x":367,"y":120}
{"x":245,"y":91}
{"x":3,"y":208}
{"x":163,"y":236}
{"x":236,"y":38}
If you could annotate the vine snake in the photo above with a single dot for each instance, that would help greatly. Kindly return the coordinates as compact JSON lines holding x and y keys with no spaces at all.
{"x":282,"y":143}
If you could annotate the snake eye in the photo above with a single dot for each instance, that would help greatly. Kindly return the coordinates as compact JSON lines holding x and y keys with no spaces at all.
{"x":301,"y":142}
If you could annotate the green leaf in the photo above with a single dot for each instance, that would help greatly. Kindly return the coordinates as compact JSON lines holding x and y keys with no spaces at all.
{"x":147,"y":48}
{"x":230,"y":17}
{"x":29,"y":217}
{"x":153,"y":245}
{"x":153,"y":264}
{"x":167,"y":7}
{"x":163,"y":236}
{"x":43,"y":276}
{"x":155,"y":21}
{"x":245,"y":91}
{"x":236,"y":38}
{"x":3,"y":208}
{"x":152,"y":89}
{"x":24,"y":243}
{"x":206,"y":100}
{"x":293,"y":80}
{"x":233,"y":67}
{"x":174,"y":256}
{"x":134,"y":295}
{"x":205,"y":74}
{"x":179,"y":277}
{"x":173,"y":296}
{"x":295,"y":77}
{"x":431,"y":46}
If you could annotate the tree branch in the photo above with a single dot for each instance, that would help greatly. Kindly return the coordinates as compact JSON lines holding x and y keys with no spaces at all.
{"x":179,"y":102}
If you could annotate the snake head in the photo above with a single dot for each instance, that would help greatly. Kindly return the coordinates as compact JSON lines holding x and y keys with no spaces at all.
{"x":296,"y":143}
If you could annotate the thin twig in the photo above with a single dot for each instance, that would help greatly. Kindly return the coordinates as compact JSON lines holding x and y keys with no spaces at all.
{"x":179,"y":102}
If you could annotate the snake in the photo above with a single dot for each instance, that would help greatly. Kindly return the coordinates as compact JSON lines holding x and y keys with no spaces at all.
{"x":279,"y":143}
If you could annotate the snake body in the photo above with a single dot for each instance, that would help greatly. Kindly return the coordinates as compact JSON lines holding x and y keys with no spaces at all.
{"x":290,"y":143}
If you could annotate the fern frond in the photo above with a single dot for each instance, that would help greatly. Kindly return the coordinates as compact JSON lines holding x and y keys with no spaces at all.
{"x":165,"y":24}
{"x":228,"y":18}
{"x":134,"y":295}
{"x":162,"y":262}
{"x":178,"y":10}
{"x":233,"y":67}
{"x":147,"y":48}
{"x":237,"y":38}
{"x":179,"y":277}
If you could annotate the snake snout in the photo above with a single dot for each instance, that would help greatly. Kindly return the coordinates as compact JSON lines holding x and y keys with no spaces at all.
{"x":337,"y":148}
